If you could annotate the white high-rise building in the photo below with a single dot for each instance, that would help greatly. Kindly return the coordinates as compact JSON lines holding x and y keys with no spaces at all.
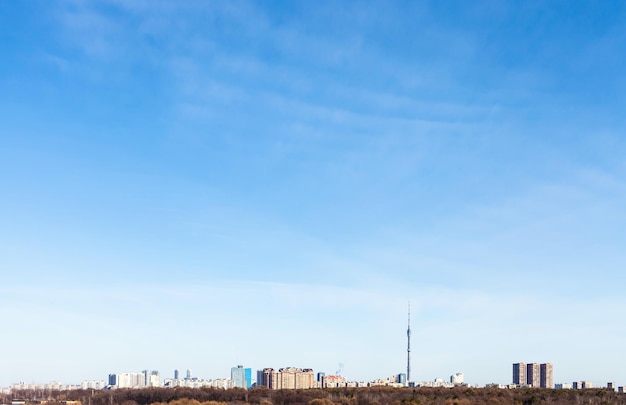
{"x":92,"y":384}
{"x":127,"y":380}
{"x":456,"y":379}
{"x":154,"y":380}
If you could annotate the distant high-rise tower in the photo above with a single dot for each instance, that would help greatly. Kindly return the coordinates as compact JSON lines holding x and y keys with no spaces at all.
{"x":248,"y":377}
{"x":532,"y":374}
{"x":238,"y":376}
{"x":408,"y":347}
{"x":189,"y":374}
{"x":176,"y":374}
{"x":519,"y":373}
{"x":545,"y":375}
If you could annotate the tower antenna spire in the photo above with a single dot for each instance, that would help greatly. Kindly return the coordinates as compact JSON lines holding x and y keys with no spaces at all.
{"x":408,"y":347}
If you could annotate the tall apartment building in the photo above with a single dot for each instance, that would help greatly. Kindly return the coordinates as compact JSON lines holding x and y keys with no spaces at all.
{"x":401,"y":379}
{"x":151,"y":378}
{"x":532,"y":374}
{"x":241,"y":377}
{"x":519,"y":373}
{"x":546,"y":379}
{"x":248,"y":377}
{"x":264,"y":377}
{"x":127,"y":380}
{"x":286,"y":378}
{"x":238,"y":376}
{"x":456,"y":379}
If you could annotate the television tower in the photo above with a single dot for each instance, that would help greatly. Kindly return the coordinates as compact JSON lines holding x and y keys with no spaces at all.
{"x":408,"y":347}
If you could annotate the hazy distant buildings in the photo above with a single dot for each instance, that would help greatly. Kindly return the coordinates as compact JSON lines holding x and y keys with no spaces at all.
{"x":519,"y":374}
{"x":93,"y":384}
{"x":237,"y":375}
{"x":286,"y":378}
{"x":127,"y":380}
{"x":546,"y":379}
{"x":436,"y":383}
{"x":533,"y":375}
{"x":501,"y":386}
{"x":331,"y":381}
{"x":296,"y":378}
{"x":456,"y":379}
{"x":393,"y":381}
{"x":51,"y":386}
{"x":135,"y":380}
{"x":223,"y":383}
{"x":263,"y":377}
{"x":401,"y":379}
{"x":581,"y":385}
{"x":248,"y":377}
{"x":241,"y":377}
{"x":151,"y":378}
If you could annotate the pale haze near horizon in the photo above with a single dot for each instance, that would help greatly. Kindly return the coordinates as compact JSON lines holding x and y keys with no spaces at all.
{"x":197,"y":185}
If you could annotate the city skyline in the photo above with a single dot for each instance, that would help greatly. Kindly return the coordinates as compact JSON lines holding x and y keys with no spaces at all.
{"x":207,"y":184}
{"x":530,"y":375}
{"x":524,"y":376}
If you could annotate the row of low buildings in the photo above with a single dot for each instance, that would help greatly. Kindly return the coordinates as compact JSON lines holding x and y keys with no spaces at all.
{"x":576,"y":385}
{"x":284,"y":378}
{"x":581,"y":385}
{"x":456,"y":380}
{"x":240,"y":377}
{"x":57,"y":386}
{"x":297,"y":378}
{"x":224,"y":383}
{"x":147,"y":379}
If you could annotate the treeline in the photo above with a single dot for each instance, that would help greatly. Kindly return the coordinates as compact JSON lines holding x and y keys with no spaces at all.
{"x":338,"y":396}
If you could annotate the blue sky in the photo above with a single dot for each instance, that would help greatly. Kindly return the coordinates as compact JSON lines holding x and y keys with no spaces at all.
{"x":205,"y":184}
